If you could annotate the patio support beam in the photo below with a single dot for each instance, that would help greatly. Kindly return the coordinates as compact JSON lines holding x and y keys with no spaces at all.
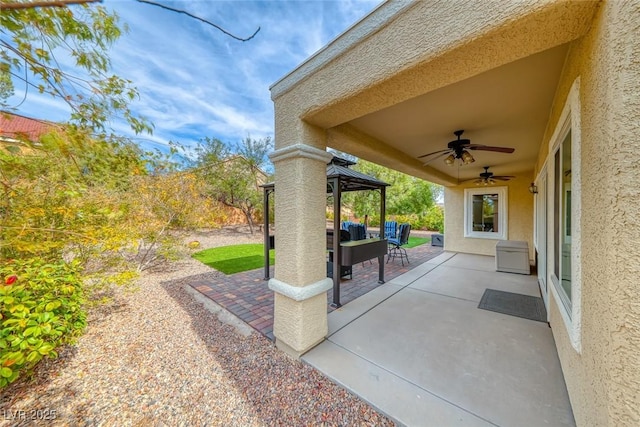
{"x":300,"y":283}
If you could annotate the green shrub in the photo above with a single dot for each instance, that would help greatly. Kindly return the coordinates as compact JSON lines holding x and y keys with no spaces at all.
{"x":40,"y":310}
{"x":411,"y":219}
{"x":434,"y":219}
{"x":374,"y":220}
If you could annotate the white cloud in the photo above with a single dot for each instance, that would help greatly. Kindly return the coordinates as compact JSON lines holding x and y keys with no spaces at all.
{"x":194,"y":81}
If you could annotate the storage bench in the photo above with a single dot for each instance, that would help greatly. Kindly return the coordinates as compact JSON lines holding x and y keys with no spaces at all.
{"x":512,"y":256}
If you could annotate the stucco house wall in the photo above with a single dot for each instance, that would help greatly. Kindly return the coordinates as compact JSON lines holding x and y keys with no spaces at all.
{"x":603,"y":378}
{"x":379,"y":63}
{"x":520,"y":218}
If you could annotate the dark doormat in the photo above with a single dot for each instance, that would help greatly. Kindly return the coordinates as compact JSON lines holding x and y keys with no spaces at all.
{"x":519,"y":305}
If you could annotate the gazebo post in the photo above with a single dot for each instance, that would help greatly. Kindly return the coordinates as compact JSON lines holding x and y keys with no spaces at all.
{"x":266,"y":233}
{"x":337,"y":260}
{"x":383,"y":202}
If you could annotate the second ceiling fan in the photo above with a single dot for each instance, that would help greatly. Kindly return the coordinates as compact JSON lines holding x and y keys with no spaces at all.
{"x":457,"y":149}
{"x":488,"y":178}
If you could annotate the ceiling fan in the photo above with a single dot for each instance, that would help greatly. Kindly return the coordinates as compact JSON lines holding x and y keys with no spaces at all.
{"x":488,"y":178}
{"x":457,"y":149}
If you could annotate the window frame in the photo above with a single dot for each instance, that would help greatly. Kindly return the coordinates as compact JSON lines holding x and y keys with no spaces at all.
{"x":502,"y":233}
{"x":570,"y":120}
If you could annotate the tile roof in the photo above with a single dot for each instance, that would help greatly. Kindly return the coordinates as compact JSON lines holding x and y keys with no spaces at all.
{"x":16,"y":127}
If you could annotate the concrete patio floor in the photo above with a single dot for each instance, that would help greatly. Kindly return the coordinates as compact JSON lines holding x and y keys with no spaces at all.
{"x":419,"y":350}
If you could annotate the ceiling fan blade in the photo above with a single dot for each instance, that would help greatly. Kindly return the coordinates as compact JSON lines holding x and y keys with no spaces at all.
{"x":436,"y":157}
{"x":435,"y":152}
{"x":490,"y":148}
{"x":503,"y":177}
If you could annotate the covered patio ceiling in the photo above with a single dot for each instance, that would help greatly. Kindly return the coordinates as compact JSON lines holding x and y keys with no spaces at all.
{"x":507,"y":107}
{"x":397,"y":84}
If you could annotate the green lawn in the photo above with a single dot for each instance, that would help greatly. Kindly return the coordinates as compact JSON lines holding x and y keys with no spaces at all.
{"x":235,"y":258}
{"x":415,"y":241}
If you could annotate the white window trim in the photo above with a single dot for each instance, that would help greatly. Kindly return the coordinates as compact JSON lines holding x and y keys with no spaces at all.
{"x":569,"y":119}
{"x":502,"y":192}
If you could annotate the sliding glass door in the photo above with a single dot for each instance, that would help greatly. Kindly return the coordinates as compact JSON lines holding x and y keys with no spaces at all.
{"x":541,"y":234}
{"x":562,"y":221}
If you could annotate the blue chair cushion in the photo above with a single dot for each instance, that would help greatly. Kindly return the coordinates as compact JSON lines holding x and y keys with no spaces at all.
{"x":394,"y":242}
{"x":391,"y":229}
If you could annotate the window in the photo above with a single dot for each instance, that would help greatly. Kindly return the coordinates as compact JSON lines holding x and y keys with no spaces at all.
{"x":485,"y":213}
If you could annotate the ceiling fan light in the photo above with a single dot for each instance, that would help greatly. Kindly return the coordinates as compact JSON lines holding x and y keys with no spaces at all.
{"x":449,"y":160}
{"x":467,"y":158}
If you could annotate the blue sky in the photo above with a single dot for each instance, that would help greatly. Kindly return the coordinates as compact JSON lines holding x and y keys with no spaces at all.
{"x":194,"y":81}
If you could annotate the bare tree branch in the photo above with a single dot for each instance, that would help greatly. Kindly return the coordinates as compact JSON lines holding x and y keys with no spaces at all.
{"x":52,"y":86}
{"x":200,"y":19}
{"x":53,"y":3}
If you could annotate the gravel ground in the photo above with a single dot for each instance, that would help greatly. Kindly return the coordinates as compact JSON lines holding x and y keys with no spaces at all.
{"x":158,"y":357}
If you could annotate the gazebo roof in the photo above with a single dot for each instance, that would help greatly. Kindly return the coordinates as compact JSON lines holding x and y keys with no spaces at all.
{"x":350,"y":180}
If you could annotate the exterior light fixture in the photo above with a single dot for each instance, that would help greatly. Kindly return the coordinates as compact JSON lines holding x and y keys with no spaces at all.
{"x":467,"y":158}
{"x":449,"y":160}
{"x":533,"y":189}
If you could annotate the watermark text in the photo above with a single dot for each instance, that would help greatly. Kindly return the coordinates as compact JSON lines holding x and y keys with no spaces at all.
{"x":44,"y":414}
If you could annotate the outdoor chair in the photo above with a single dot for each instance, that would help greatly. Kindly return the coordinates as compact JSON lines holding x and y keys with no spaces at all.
{"x":345,"y":225}
{"x":395,"y":245}
{"x":357,"y":231}
{"x":390,"y":229}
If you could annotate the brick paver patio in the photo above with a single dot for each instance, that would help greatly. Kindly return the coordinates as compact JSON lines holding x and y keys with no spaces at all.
{"x":247,"y":295}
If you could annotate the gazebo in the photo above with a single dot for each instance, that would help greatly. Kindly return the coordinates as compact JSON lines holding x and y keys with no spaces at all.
{"x":340,"y":179}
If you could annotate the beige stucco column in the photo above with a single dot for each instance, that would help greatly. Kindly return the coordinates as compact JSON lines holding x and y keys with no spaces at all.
{"x":300,"y":283}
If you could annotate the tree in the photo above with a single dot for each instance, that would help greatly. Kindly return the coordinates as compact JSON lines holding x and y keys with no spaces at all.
{"x":234,"y":176}
{"x":161,"y":206}
{"x":79,"y":214}
{"x":37,"y":33}
{"x":209,"y":151}
{"x":61,"y":192}
{"x":255,"y":151}
{"x":35,"y":41}
{"x":405,"y":195}
{"x":81,"y":207}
